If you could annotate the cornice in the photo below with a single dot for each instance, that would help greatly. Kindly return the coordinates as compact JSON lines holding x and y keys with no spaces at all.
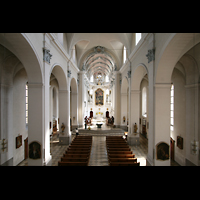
{"x":60,"y":48}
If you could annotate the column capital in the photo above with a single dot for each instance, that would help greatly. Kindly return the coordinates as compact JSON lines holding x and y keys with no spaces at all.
{"x":35,"y":85}
{"x":64,"y":91}
{"x":135,"y":91}
{"x":162,"y":85}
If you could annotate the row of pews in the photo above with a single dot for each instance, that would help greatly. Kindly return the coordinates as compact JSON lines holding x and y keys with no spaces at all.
{"x":78,"y":152}
{"x":119,"y":153}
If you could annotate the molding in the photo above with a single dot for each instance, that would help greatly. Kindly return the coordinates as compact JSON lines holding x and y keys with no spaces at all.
{"x":63,"y":91}
{"x":162,"y":85}
{"x":135,"y":50}
{"x":35,"y":85}
{"x":192,"y":85}
{"x":61,"y":49}
{"x":135,"y":91}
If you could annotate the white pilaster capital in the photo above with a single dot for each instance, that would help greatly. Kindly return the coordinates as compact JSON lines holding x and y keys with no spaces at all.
{"x":162,"y":85}
{"x":195,"y":85}
{"x":135,"y":91}
{"x":35,"y":85}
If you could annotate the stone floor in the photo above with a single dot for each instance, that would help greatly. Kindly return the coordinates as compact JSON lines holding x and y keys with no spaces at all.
{"x":98,"y":156}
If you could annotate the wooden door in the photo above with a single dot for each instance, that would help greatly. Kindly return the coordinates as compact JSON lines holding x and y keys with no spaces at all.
{"x":91,"y":114}
{"x":26,"y":148}
{"x":172,"y":148}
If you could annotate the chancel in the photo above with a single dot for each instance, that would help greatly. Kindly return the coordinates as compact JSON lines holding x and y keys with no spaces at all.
{"x":100,"y":99}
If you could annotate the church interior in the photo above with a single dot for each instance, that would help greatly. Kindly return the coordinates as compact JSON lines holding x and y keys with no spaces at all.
{"x":125,"y":99}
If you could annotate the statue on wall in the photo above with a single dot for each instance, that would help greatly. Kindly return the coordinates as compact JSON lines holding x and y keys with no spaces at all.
{"x":63,"y":127}
{"x":135,"y":128}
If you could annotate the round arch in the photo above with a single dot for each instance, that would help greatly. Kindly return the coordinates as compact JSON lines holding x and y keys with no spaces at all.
{"x":21,"y":46}
{"x":137,"y":76}
{"x":73,"y":85}
{"x":173,"y":49}
{"x":60,"y":75}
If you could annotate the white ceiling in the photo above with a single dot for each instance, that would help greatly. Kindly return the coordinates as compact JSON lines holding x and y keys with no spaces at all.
{"x":113,"y":44}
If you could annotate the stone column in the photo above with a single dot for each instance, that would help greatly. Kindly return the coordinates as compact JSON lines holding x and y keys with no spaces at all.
{"x":162,"y":121}
{"x":133,"y":138}
{"x":64,"y":116}
{"x":124,"y":109}
{"x":47,"y":130}
{"x":74,"y":110}
{"x":36,"y":120}
{"x":129,"y":103}
{"x":81,"y":90}
{"x":117,"y":99}
{"x":151,"y":100}
{"x":192,"y":121}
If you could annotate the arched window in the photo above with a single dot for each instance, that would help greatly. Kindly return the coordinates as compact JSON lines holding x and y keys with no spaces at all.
{"x":26,"y":103}
{"x":144,"y":102}
{"x":107,"y":78}
{"x":137,"y":38}
{"x":124,"y":54}
{"x":92,"y":78}
{"x":172,"y":108}
{"x":74,"y":53}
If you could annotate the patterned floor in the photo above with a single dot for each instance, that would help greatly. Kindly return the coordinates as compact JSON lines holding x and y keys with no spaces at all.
{"x":98,"y":156}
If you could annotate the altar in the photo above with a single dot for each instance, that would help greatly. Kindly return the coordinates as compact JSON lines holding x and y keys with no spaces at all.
{"x":99,"y":125}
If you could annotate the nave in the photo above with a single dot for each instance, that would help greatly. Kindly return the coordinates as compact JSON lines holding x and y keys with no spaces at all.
{"x":98,"y":156}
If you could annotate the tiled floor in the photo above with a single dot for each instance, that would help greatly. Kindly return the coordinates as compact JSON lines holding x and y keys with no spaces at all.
{"x":98,"y":155}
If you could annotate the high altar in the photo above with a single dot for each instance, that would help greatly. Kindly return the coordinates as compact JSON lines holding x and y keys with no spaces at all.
{"x":99,"y":102}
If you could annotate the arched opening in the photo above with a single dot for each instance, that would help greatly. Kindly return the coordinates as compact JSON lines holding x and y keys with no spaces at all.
{"x":54,"y":111}
{"x":139,"y":81}
{"x":178,"y":65}
{"x":186,"y":103}
{"x":20,"y":67}
{"x":143,"y":126}
{"x":59,"y":79}
{"x":73,"y":104}
{"x":125,"y":104}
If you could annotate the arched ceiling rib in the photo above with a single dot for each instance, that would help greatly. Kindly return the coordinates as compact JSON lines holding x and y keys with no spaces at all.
{"x":99,"y":59}
{"x":99,"y":52}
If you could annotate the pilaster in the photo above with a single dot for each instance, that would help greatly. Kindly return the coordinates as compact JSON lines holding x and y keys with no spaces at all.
{"x":162,"y":121}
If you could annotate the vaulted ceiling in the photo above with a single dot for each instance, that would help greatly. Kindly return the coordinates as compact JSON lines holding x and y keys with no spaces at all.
{"x":99,"y":52}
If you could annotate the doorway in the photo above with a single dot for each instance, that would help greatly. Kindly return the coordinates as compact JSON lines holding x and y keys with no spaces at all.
{"x":172,"y":148}
{"x":26,"y":148}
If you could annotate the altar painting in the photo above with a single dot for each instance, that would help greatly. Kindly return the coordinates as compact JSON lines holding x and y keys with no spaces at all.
{"x":99,"y":97}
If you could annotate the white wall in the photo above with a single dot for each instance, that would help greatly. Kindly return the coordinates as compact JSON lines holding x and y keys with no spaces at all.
{"x":19,"y":109}
{"x":179,"y":115}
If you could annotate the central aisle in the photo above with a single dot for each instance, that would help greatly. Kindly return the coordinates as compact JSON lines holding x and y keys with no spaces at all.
{"x":98,"y":155}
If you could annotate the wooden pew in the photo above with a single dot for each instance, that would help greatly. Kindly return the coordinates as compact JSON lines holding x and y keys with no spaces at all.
{"x":65,"y":159}
{"x":60,"y":163}
{"x":118,"y":149}
{"x":79,"y":146}
{"x":116,"y":137}
{"x":121,"y":155}
{"x":81,"y":142}
{"x":76,"y":155}
{"x":77,"y":152}
{"x":116,"y":143}
{"x":123,"y":160}
{"x":117,"y":146}
{"x":124,"y":164}
{"x":120,"y":152}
